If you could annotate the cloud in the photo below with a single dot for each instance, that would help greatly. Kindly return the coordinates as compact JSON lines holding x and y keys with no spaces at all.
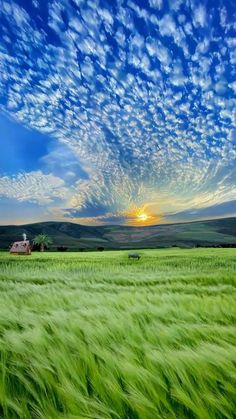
{"x":167,"y":26}
{"x":156,"y":4}
{"x":34,"y":187}
{"x":199,"y":16}
{"x":226,"y":209}
{"x":141,"y":98}
{"x":175,"y":4}
{"x":159,"y":51}
{"x":177,"y":77}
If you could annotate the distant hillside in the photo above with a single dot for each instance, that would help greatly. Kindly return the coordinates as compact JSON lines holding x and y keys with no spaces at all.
{"x":75,"y":236}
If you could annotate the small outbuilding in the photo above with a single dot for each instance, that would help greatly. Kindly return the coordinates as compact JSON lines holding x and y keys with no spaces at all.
{"x":21,"y":247}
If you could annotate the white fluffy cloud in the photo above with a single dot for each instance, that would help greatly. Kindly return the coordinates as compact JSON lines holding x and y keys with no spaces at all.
{"x":199,"y":16}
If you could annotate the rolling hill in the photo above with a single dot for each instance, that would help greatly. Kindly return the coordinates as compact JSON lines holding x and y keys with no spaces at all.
{"x":76,"y":236}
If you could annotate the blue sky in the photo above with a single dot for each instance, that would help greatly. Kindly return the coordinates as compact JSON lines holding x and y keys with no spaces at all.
{"x":110,"y":110}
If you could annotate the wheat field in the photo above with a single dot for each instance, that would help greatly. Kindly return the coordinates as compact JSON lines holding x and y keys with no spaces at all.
{"x":95,"y":335}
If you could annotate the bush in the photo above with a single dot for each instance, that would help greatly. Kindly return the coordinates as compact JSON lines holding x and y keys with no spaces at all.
{"x":62,"y":249}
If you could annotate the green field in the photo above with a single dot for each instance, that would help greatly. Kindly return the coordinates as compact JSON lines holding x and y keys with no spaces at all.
{"x":95,"y":335}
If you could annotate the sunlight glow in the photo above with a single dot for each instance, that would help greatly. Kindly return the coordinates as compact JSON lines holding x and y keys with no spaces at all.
{"x":142,"y":217}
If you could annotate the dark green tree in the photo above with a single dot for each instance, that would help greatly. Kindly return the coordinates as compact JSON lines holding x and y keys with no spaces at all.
{"x":42,"y":240}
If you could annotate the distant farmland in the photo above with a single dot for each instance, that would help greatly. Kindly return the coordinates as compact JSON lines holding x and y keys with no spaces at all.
{"x":75,"y":236}
{"x":95,"y":335}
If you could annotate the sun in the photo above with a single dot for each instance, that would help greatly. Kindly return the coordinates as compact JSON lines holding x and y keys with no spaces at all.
{"x":142,"y":217}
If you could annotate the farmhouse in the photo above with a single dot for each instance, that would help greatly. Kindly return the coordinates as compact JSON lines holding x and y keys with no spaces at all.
{"x":21,"y":248}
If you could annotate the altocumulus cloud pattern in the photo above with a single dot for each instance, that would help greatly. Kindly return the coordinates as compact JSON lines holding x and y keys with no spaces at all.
{"x":139,"y":99}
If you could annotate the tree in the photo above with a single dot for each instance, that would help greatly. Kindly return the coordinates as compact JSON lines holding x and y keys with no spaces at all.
{"x":42,"y":240}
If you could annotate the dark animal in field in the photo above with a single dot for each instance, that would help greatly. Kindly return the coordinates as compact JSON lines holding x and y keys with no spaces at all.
{"x":134,"y":256}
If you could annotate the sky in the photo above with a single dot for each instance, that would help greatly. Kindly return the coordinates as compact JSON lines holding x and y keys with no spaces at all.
{"x":117,"y":112}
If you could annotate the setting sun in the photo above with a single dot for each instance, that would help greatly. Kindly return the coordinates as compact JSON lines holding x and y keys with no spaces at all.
{"x":142,"y":217}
